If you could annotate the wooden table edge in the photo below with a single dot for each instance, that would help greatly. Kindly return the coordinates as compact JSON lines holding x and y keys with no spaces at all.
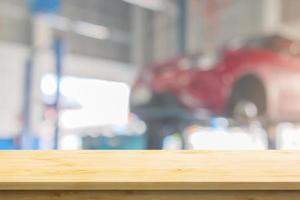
{"x":150,"y":186}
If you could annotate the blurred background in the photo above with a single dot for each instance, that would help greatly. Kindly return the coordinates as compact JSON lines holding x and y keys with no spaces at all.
{"x":149,"y":74}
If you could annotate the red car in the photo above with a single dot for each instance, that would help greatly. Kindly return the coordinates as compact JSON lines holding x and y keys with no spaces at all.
{"x":259,"y":78}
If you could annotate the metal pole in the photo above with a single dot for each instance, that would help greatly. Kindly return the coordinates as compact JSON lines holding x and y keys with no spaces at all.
{"x":58,"y":50}
{"x":26,"y":132}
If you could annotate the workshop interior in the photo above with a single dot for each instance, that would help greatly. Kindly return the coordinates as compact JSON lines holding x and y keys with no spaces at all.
{"x":149,"y":74}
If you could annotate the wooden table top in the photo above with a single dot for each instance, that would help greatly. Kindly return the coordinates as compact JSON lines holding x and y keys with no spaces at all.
{"x":149,"y":170}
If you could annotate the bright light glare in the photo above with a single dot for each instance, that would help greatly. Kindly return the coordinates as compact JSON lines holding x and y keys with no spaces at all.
{"x":70,"y":142}
{"x":172,"y":142}
{"x":209,"y":139}
{"x":48,"y":85}
{"x":288,"y":137}
{"x":102,"y":102}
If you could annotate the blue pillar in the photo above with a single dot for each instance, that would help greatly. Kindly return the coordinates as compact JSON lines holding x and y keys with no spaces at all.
{"x":26,"y":132}
{"x":58,"y":50}
{"x":181,"y":4}
{"x":36,"y":7}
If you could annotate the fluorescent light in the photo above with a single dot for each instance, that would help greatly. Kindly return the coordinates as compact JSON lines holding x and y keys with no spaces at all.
{"x":79,"y":27}
{"x":91,"y":30}
{"x":148,"y":4}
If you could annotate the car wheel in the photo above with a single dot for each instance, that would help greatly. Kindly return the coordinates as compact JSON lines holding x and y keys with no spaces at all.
{"x":248,"y":100}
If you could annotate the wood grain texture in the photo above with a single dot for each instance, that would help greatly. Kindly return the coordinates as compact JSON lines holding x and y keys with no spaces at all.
{"x":149,"y":170}
{"x":150,"y":195}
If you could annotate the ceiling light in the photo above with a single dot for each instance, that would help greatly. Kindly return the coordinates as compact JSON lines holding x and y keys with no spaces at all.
{"x":148,"y":4}
{"x":91,"y":30}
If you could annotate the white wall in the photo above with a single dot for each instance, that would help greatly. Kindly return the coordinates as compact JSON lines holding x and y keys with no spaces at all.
{"x":231,"y":19}
{"x":12,"y":59}
{"x":12,"y":62}
{"x":165,"y":32}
